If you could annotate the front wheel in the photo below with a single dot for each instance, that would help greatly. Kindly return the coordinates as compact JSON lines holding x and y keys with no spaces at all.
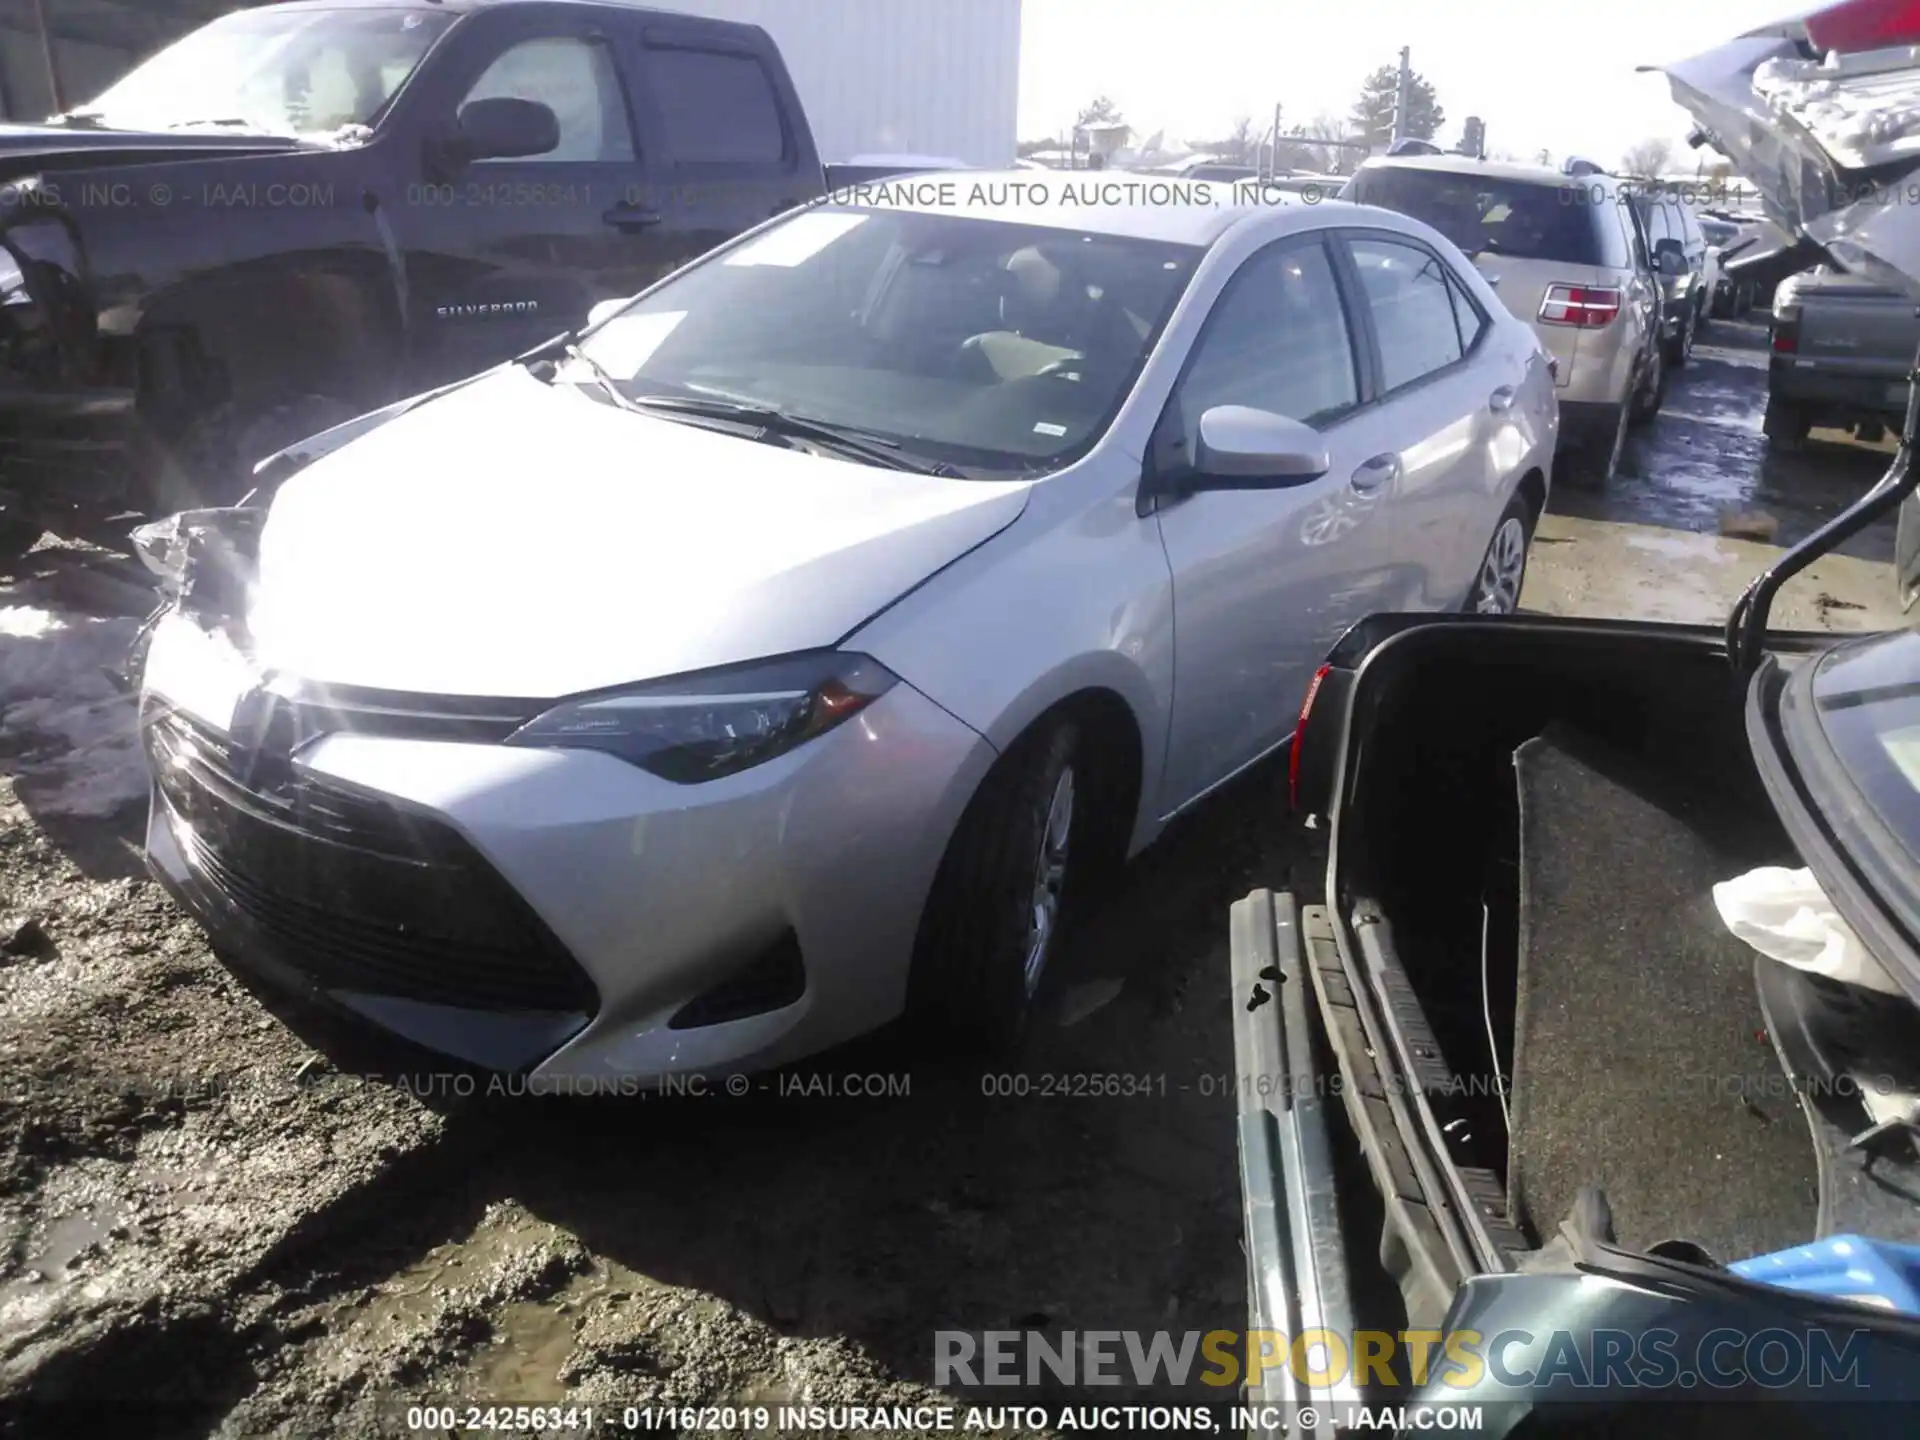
{"x":992,"y":922}
{"x":1680,"y":348}
{"x":1503,"y":570}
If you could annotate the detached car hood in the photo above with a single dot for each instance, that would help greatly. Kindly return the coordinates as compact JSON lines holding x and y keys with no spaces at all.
{"x":515,"y":538}
{"x":27,"y":148}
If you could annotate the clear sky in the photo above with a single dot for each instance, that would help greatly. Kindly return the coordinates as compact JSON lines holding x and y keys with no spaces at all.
{"x":1553,"y":73}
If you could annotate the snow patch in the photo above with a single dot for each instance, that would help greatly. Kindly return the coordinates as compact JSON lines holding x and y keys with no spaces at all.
{"x":69,"y":733}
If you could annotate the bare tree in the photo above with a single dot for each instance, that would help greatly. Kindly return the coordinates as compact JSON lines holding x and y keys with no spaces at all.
{"x":1304,"y":147}
{"x":1243,"y":145}
{"x":1649,"y":159}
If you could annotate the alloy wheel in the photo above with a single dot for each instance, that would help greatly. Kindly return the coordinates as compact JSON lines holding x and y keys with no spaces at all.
{"x":1049,"y":879}
{"x":1502,"y":572}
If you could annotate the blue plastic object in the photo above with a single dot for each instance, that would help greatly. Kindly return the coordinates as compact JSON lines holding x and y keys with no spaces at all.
{"x":1847,"y":1267}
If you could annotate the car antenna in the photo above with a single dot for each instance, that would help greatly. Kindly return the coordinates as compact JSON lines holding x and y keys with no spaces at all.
{"x":1747,"y":624}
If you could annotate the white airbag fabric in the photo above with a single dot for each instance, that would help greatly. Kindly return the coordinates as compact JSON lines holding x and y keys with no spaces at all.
{"x":1785,"y":915}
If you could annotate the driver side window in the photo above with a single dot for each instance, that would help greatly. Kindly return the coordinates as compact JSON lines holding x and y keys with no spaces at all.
{"x":578,"y":81}
{"x":1277,"y":340}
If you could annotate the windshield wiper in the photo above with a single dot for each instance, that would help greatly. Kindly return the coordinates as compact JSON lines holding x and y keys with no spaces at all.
{"x":601,"y":376}
{"x":861,"y":444}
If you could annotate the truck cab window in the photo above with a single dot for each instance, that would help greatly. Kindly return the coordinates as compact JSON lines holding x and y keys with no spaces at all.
{"x":577,"y":80}
{"x":715,"y":108}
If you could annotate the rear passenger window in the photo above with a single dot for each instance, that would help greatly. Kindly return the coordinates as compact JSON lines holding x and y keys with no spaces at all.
{"x":715,"y":108}
{"x":1614,"y":230}
{"x":1412,"y":302}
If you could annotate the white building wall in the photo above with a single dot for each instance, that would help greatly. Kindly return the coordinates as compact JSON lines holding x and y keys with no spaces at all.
{"x":900,"y":77}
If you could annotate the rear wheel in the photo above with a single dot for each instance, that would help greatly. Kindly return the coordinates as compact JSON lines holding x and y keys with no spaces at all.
{"x":1651,"y":393}
{"x":992,"y":923}
{"x":1786,"y":424}
{"x":1503,"y":570}
{"x":1597,"y":460}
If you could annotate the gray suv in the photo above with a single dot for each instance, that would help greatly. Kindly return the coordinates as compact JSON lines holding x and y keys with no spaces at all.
{"x":1681,"y":259}
{"x":1565,"y":253}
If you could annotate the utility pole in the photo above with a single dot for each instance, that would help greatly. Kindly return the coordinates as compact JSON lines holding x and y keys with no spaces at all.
{"x":1402,"y":96}
{"x":54,"y":87}
{"x":1273,"y":157}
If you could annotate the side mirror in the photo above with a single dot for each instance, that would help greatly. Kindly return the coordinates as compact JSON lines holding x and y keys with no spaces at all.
{"x":1241,"y":448}
{"x":505,"y":128}
{"x":1670,"y":257}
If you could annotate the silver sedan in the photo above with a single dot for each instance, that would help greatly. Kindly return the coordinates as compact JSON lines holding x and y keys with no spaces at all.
{"x":786,"y":650}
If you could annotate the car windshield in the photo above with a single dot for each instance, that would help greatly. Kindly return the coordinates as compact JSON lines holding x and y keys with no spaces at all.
{"x":1718,"y":232}
{"x":982,"y":344}
{"x":284,"y":72}
{"x":1518,"y":218}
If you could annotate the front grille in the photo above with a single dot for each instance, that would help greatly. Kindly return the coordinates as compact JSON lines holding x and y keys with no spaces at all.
{"x":354,"y":891}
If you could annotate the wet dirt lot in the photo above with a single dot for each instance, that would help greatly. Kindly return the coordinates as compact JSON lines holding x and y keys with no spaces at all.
{"x":213,"y":1228}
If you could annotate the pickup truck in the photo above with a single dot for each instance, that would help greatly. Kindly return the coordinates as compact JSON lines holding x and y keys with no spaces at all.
{"x":302,"y":212}
{"x":1842,"y":346}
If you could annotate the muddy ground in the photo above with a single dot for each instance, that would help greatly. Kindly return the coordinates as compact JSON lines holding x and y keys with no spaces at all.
{"x":211,"y":1227}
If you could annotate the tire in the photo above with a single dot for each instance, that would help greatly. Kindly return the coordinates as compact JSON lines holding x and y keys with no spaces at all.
{"x":1596,"y":461}
{"x":1679,"y":350}
{"x":1651,"y":393}
{"x":1786,"y":425}
{"x":212,"y":462}
{"x":980,"y":955}
{"x":1503,"y":568}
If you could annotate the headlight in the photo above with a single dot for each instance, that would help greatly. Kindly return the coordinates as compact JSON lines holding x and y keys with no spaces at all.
{"x":701,"y":727}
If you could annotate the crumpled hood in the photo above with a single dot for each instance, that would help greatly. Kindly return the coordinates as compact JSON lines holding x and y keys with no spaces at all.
{"x":515,"y":538}
{"x":1829,"y":141}
{"x":1824,"y":120}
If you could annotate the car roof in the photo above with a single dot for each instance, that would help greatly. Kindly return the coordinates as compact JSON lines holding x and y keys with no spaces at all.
{"x":1127,"y":203}
{"x":1495,"y":169}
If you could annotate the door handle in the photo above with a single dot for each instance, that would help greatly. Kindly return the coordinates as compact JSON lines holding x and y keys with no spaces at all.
{"x":1376,"y":473}
{"x":632,"y":217}
{"x":1501,"y":399}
